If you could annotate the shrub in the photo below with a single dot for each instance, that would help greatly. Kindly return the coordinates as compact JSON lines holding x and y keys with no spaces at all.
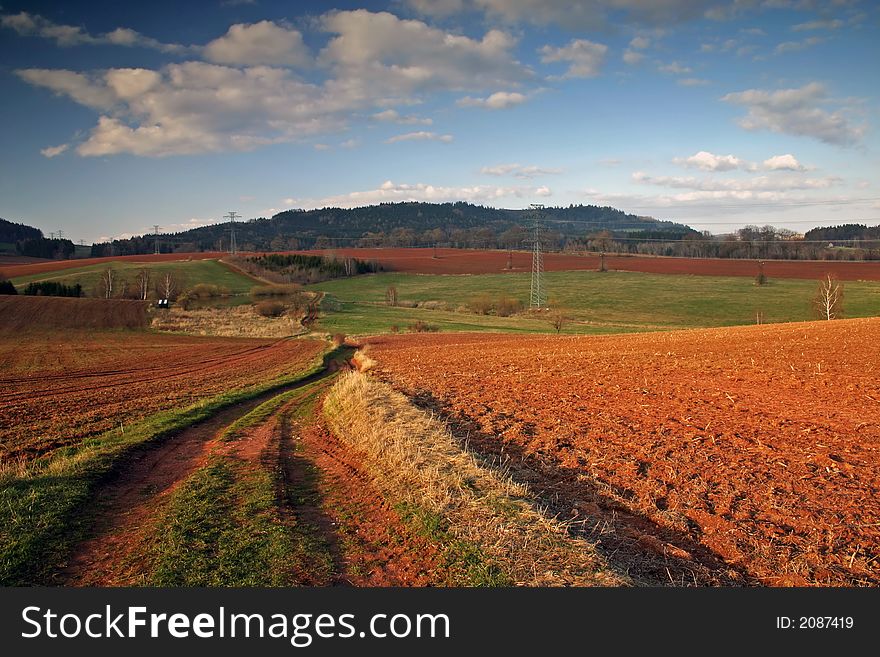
{"x":6,"y":287}
{"x":52,"y":289}
{"x":269,"y":291}
{"x":338,"y":339}
{"x":207,"y":291}
{"x":391,"y":297}
{"x":270,"y":308}
{"x":422,"y":327}
{"x":481,"y":304}
{"x":506,"y":306}
{"x":395,"y":328}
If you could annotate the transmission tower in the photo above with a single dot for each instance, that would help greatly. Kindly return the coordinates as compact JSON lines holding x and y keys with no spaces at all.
{"x":536,"y":298}
{"x":60,"y":234}
{"x":232,"y":216}
{"x":156,"y":229}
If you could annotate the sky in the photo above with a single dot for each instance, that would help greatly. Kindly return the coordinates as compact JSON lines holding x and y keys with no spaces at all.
{"x":120,"y":116}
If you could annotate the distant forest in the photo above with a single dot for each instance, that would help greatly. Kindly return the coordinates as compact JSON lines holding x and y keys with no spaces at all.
{"x":464,"y":225}
{"x":456,"y":225}
{"x":24,"y":240}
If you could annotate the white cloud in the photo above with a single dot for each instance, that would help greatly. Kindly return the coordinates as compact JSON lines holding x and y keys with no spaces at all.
{"x":393,"y":116}
{"x":396,"y":192}
{"x":439,"y":8}
{"x":795,"y":46}
{"x":585,"y":58}
{"x":321,"y":147}
{"x":572,"y":14}
{"x":827,"y":24}
{"x":754,"y":184}
{"x":350,"y":143}
{"x":795,"y":112}
{"x":65,"y":36}
{"x":53,"y":151}
{"x":519,"y":171}
{"x":674,"y":68}
{"x":632,"y":57}
{"x":498,"y":100}
{"x":706,"y":161}
{"x":381,"y":55}
{"x":259,"y":43}
{"x":421,"y":135}
{"x":692,"y":82}
{"x":710,"y":162}
{"x":89,"y":91}
{"x":193,"y":107}
{"x":787,"y":162}
{"x":640,"y":43}
{"x":371,"y":61}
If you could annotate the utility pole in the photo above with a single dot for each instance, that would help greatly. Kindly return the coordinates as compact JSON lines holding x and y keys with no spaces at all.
{"x":536,"y":297}
{"x":232,"y":216}
{"x":156,"y":229}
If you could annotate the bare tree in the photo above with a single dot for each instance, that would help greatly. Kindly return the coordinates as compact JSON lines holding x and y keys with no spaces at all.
{"x":558,"y":318}
{"x":391,"y":295}
{"x":142,"y":283}
{"x":760,"y":277}
{"x":108,"y":280}
{"x":828,"y":301}
{"x":602,"y":266}
{"x":167,"y":286}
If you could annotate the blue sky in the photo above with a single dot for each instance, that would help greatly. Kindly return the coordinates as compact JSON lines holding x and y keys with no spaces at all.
{"x":118,"y":116}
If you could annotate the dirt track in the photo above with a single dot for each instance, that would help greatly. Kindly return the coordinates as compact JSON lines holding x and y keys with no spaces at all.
{"x":760,"y":445}
{"x":321,"y":491}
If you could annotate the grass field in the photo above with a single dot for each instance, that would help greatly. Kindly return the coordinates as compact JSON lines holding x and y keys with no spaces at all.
{"x":189,"y":272}
{"x":597,"y":302}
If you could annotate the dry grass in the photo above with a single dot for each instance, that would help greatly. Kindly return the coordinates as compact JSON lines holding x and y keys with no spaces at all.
{"x":415,"y":459}
{"x":240,"y":321}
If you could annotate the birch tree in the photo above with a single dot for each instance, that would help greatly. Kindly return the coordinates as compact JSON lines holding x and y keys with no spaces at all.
{"x":828,"y":301}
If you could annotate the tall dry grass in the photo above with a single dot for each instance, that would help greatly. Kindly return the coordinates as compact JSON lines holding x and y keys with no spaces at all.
{"x":414,"y":458}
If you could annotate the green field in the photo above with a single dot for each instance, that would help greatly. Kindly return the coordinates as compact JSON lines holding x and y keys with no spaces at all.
{"x":597,"y":302}
{"x":190,"y":272}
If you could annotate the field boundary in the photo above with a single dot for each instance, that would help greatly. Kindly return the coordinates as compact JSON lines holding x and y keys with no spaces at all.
{"x":417,"y":462}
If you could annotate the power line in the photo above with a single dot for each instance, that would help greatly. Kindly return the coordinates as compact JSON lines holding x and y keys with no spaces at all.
{"x":536,"y":296}
{"x":232,"y":216}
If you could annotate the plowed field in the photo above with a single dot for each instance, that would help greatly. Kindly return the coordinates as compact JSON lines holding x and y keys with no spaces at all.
{"x":56,"y":389}
{"x":472,"y":261}
{"x":758,"y":445}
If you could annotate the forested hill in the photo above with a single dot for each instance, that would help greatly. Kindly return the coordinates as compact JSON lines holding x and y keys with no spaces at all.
{"x":846,"y":232}
{"x":402,"y":224}
{"x":21,"y":239}
{"x":11,"y":233}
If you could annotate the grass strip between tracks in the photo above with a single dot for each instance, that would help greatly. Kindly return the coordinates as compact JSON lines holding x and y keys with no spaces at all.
{"x":223,"y":527}
{"x":491,"y":528}
{"x":44,"y":505}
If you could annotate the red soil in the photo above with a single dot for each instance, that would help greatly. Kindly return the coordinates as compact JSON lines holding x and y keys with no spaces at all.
{"x":372,"y":544}
{"x":474,"y":261}
{"x":22,"y":314}
{"x":760,"y":444}
{"x":12,"y":271}
{"x":470,"y":261}
{"x":58,"y":388}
